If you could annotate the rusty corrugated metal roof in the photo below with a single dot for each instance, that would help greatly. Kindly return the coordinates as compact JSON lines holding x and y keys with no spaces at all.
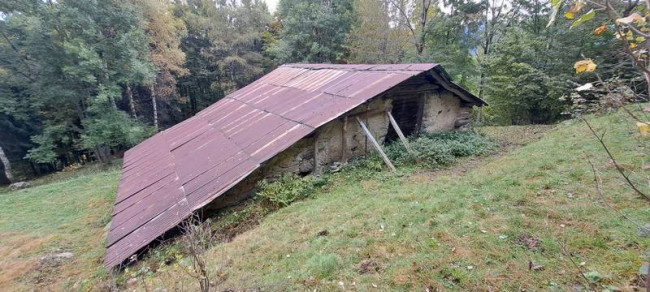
{"x":170,"y":175}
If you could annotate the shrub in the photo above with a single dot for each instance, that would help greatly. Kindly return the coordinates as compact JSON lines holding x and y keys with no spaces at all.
{"x":440,"y":149}
{"x":289,"y":188}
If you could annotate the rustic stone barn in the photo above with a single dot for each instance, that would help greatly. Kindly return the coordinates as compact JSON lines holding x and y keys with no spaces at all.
{"x":299,"y":118}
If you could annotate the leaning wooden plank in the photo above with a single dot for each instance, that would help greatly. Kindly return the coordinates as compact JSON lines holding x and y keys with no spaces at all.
{"x":316,"y":169}
{"x":399,"y":133}
{"x":344,"y":141}
{"x":376,"y":144}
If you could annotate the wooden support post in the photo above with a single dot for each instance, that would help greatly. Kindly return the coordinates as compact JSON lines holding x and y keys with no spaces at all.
{"x":399,"y":133}
{"x":376,"y":144}
{"x":420,"y":115}
{"x":344,"y":141}
{"x":316,"y":154}
{"x":365,"y":147}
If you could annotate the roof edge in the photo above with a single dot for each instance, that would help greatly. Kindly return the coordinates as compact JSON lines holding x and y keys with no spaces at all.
{"x":441,"y":75}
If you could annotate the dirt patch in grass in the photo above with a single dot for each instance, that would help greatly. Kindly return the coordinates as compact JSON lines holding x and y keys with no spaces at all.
{"x":516,"y":135}
{"x":369,"y":266}
{"x":19,"y":258}
{"x":529,"y":242}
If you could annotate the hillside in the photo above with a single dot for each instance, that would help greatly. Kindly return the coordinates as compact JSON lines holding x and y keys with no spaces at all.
{"x":475,"y":225}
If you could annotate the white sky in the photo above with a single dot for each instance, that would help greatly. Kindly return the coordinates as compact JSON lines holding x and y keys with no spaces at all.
{"x":273,"y":4}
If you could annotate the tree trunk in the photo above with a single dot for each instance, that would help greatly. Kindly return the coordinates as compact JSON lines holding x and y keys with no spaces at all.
{"x":129,"y":95}
{"x":103,"y":154}
{"x":155,"y":108}
{"x":7,"y":165}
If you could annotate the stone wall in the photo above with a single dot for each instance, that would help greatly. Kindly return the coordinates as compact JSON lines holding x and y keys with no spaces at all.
{"x":442,"y":111}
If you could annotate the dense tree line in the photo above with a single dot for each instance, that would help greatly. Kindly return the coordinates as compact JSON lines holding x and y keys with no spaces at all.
{"x":85,"y":80}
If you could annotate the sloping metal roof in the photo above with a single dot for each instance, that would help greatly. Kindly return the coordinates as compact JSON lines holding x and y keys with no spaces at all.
{"x":170,"y":175}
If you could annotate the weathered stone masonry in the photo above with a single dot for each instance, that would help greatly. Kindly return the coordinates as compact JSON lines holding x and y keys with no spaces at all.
{"x":430,"y":108}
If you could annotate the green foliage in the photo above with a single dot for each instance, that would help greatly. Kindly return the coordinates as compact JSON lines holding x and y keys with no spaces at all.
{"x":440,"y":149}
{"x":372,"y":39}
{"x":223,"y":47}
{"x":289,"y":188}
{"x":51,"y":143}
{"x":73,"y":58}
{"x":313,"y":31}
{"x":113,"y":128}
{"x":168,"y":254}
{"x":519,"y":89}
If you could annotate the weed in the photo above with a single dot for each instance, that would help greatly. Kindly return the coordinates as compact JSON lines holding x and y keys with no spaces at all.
{"x":440,"y":149}
{"x":289,"y":188}
{"x":324,"y":266}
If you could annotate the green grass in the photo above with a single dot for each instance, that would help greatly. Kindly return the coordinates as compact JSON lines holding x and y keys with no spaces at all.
{"x":472,"y":226}
{"x":457,"y":229}
{"x":65,"y":213}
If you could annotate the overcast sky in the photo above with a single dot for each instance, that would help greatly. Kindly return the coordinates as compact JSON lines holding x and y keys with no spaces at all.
{"x":272,"y":4}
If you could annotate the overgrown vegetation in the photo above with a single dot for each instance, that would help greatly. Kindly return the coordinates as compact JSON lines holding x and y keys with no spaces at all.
{"x":289,"y":188}
{"x":440,"y":149}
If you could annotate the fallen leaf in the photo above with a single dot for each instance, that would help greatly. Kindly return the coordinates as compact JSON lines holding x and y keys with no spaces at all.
{"x":534,"y":267}
{"x":577,"y":6}
{"x":600,"y":30}
{"x":634,"y":17}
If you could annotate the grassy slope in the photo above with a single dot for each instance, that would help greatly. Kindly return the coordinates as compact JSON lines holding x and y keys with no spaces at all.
{"x":455,"y":229}
{"x":65,"y":212}
{"x":419,"y":229}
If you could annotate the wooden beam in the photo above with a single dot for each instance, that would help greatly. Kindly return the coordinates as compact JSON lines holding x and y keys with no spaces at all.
{"x":376,"y":144}
{"x":399,"y":133}
{"x":366,"y":113}
{"x":448,"y":87}
{"x":420,"y":115}
{"x":316,"y":154}
{"x":344,"y":141}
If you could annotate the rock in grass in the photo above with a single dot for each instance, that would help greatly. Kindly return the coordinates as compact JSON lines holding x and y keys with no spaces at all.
{"x":643,"y":270}
{"x":645,"y":230}
{"x":19,"y":185}
{"x":57,"y":257}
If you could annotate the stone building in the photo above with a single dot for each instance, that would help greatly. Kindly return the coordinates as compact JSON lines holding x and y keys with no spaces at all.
{"x":299,"y":118}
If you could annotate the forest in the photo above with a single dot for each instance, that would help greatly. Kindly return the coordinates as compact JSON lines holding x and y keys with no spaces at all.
{"x":84,"y":80}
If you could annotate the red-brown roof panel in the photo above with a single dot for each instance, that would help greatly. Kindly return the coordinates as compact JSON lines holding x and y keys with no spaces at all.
{"x":180,"y":170}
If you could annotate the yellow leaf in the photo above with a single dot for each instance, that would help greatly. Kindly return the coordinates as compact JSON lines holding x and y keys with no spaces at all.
{"x":628,"y":35}
{"x":633,"y":46}
{"x":600,"y":30}
{"x":585,"y":66}
{"x":644,"y":128}
{"x":634,"y":17}
{"x":570,"y":15}
{"x":576,"y":7}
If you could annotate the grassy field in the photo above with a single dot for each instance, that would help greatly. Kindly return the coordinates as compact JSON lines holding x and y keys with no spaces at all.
{"x":474,"y":226}
{"x":63,"y":212}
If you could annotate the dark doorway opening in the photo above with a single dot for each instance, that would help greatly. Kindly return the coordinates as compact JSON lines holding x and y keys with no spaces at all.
{"x":407,"y":112}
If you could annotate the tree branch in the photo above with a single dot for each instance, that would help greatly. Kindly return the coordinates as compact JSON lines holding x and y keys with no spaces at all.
{"x":616,"y":165}
{"x":599,"y":191}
